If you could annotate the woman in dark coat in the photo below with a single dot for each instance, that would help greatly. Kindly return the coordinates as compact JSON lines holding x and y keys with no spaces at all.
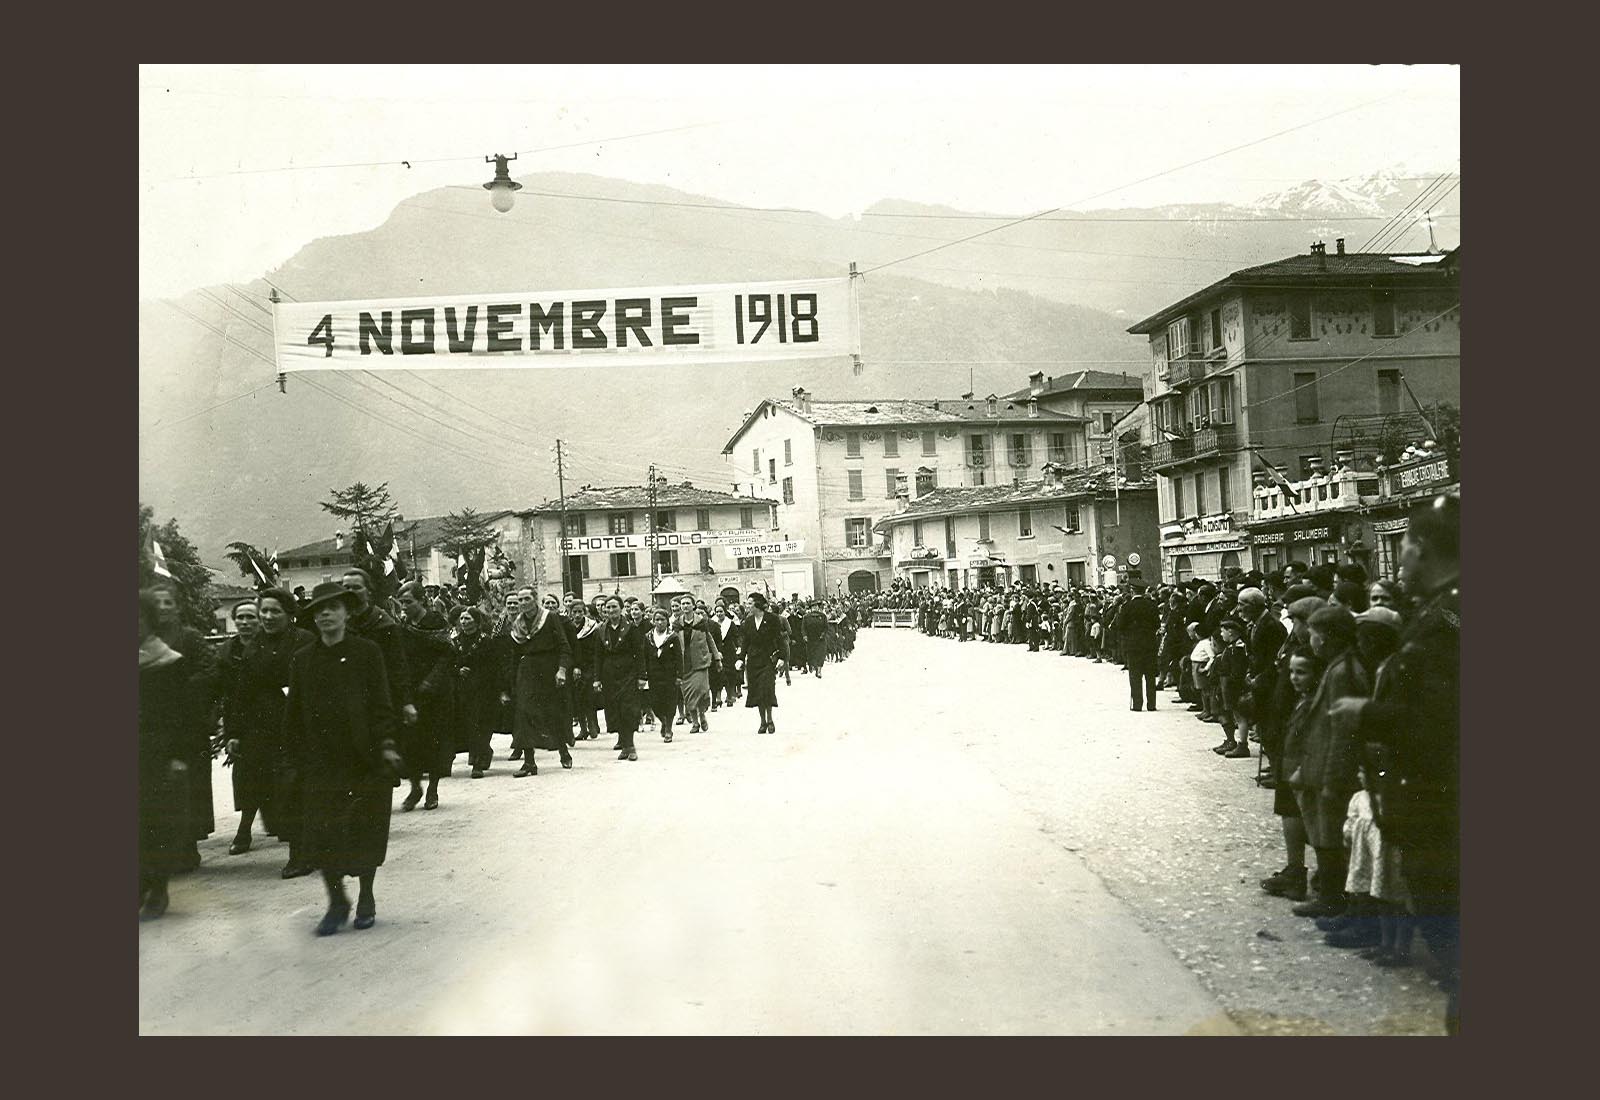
{"x":541,"y":661}
{"x":340,"y":727}
{"x":201,"y":666}
{"x":477,"y":664}
{"x":814,"y":628}
{"x":766,"y":654}
{"x":663,"y":664}
{"x":726,"y":630}
{"x":585,"y":659}
{"x":263,"y":777}
{"x":619,"y":677}
{"x":426,"y":744}
{"x":170,"y":735}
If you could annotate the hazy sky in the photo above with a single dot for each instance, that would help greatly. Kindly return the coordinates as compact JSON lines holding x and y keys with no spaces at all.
{"x":834,"y":139}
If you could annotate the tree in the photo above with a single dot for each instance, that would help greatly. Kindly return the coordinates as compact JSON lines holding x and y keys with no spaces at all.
{"x":243,"y":554}
{"x":370,"y":508}
{"x":191,"y":580}
{"x":463,"y":531}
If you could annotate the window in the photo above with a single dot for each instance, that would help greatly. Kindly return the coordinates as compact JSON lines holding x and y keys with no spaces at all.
{"x":983,"y":526}
{"x":1388,"y":391}
{"x":621,"y":524}
{"x":1199,"y":495}
{"x":1300,"y":317}
{"x":667,"y":561}
{"x":1383,"y":313}
{"x":702,"y":519}
{"x":1177,"y":497}
{"x":1075,"y":572}
{"x":1057,"y":447}
{"x":891,"y":445}
{"x":749,"y":563}
{"x":949,"y":536}
{"x":1221,"y":400}
{"x":1025,"y":523}
{"x":1073,"y":523}
{"x":1030,"y":574}
{"x":1224,"y":497}
{"x":916,"y":532}
{"x":705,"y":561}
{"x":747,"y":518}
{"x":622,"y":565}
{"x":1216,"y":329}
{"x":577,"y":525}
{"x":1305,"y":398}
{"x":788,"y":490}
{"x":1107,"y":420}
{"x":891,"y":478}
{"x":583,"y":564}
{"x":755,"y":461}
{"x":852,"y":444}
{"x":1183,"y":569}
{"x":772,"y":471}
{"x":327,"y":561}
{"x":1021,"y":449}
{"x":666,"y":521}
{"x":788,"y":452}
{"x":855,"y":485}
{"x":1178,"y":339}
{"x":855,"y":533}
{"x":1199,"y":406}
{"x":930,"y":443}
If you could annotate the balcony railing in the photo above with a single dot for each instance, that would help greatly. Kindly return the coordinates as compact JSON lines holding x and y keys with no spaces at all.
{"x":1339,"y":491}
{"x":1171,"y":451}
{"x":1215,"y":440}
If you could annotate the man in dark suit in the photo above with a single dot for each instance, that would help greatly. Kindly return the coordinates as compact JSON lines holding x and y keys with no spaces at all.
{"x":1138,"y":623}
{"x":1267,"y":635}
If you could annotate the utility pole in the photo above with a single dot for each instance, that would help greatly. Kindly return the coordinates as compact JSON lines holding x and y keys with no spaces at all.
{"x":283,"y":379}
{"x":650,"y":538}
{"x":561,"y":535}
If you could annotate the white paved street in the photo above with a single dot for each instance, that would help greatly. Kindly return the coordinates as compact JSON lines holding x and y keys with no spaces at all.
{"x":925,"y":847}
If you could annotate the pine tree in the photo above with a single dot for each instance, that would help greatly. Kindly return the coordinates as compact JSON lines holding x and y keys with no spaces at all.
{"x":191,"y":580}
{"x":243,"y":554}
{"x":370,"y":509}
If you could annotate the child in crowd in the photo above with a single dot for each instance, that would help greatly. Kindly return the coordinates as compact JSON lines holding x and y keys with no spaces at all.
{"x":1228,"y":670}
{"x":1377,"y":919}
{"x":1201,"y":658}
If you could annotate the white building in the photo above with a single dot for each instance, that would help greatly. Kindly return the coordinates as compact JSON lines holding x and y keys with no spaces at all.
{"x":833,"y":469}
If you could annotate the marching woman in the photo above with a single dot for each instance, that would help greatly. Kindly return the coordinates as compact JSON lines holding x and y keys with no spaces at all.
{"x":814,"y":629}
{"x":558,"y":612}
{"x":200,"y":664}
{"x":619,"y":677}
{"x":766,"y":654}
{"x":541,"y":661}
{"x":663,"y":664}
{"x":264,"y":779}
{"x":585,"y":658}
{"x":728,"y":634}
{"x":171,"y":733}
{"x":426,"y":745}
{"x":477,"y":661}
{"x":700,"y":656}
{"x":340,"y":727}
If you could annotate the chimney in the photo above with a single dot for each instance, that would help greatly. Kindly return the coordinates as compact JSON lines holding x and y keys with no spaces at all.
{"x":1033,"y":408}
{"x":1320,"y":251}
{"x":802,"y":398}
{"x":1036,"y":383}
{"x":1338,"y":246}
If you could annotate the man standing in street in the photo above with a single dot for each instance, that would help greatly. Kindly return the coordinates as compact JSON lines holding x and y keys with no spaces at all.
{"x":1267,"y":635}
{"x":1414,"y":719}
{"x":1138,"y":623}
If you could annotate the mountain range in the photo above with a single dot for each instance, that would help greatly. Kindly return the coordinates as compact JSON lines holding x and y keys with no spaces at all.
{"x":1054,"y":294}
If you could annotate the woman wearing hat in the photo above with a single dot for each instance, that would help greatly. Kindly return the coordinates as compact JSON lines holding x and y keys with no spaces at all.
{"x":766,"y":654}
{"x":171,"y":736}
{"x":340,"y":726}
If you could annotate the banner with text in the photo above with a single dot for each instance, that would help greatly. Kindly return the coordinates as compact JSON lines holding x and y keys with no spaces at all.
{"x":645,"y":326}
{"x":775,"y":548}
{"x":661,"y":540}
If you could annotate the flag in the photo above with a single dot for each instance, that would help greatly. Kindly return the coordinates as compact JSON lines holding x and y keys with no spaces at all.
{"x":1278,"y":479}
{"x":159,"y":560}
{"x":391,"y":553}
{"x":273,"y":567}
{"x":265,"y":583}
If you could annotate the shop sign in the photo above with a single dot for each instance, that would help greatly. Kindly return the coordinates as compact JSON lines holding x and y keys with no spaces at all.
{"x":1313,"y":534}
{"x":1389,"y":526}
{"x":1422,"y":475}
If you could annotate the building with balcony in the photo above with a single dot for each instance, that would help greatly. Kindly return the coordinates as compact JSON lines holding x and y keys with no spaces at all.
{"x":833,"y":469}
{"x":1284,"y":366}
{"x":1079,"y":527}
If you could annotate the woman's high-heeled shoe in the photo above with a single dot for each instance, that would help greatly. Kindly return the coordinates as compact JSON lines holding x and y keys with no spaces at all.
{"x":334,"y":919}
{"x":632,"y":755}
{"x":240,"y":845}
{"x":366,"y":915}
{"x":528,"y":768}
